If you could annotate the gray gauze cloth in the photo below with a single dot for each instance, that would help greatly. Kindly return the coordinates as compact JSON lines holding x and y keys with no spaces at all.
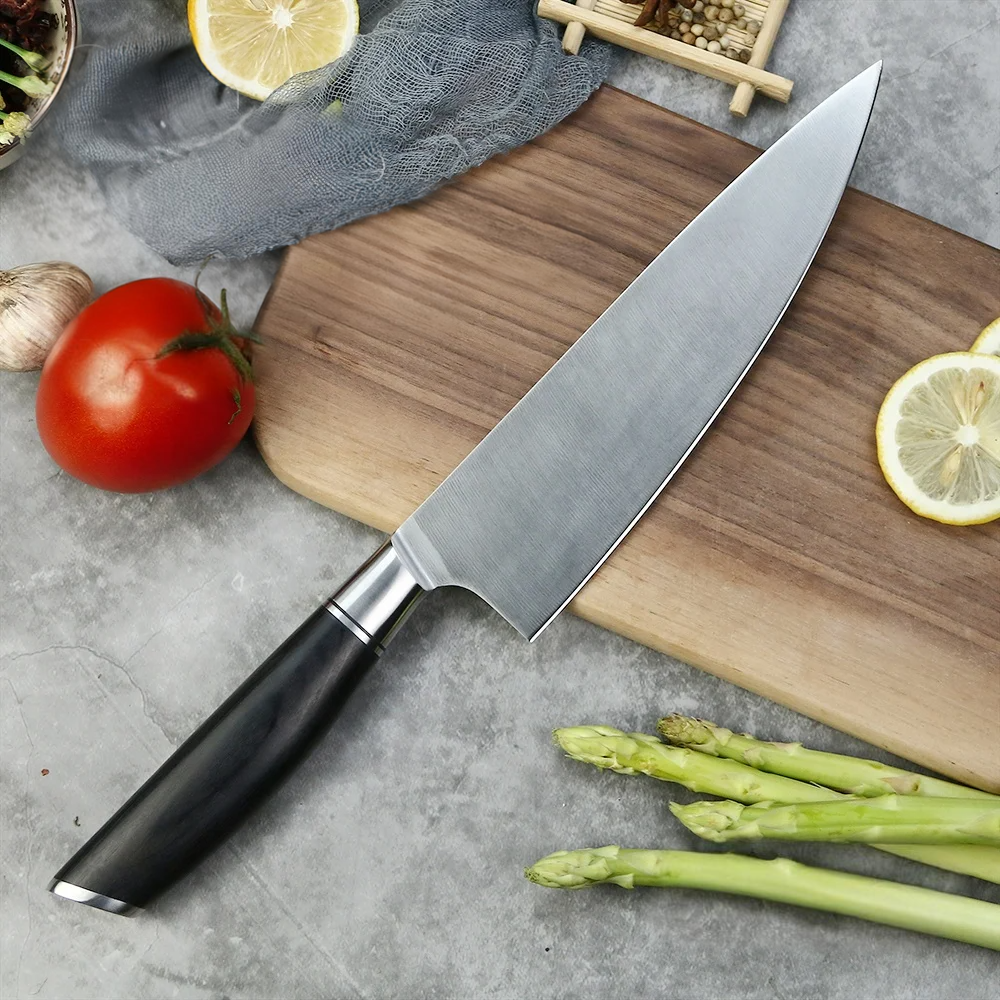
{"x":430,"y":89}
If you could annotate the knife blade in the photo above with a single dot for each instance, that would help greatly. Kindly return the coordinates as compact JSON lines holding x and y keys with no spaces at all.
{"x":528,"y":517}
{"x":534,"y":510}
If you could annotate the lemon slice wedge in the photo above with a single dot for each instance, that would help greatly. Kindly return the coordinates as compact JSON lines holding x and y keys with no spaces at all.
{"x":254,"y":46}
{"x":938,"y":437}
{"x":988,"y":342}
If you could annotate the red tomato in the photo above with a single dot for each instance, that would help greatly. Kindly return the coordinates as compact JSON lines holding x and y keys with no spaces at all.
{"x":113,"y":414}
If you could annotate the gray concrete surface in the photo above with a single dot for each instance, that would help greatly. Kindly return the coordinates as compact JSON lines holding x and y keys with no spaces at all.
{"x":390,"y":866}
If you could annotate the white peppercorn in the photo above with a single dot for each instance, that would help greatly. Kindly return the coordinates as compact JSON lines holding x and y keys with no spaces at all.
{"x":753,"y":27}
{"x":732,"y":53}
{"x":713,"y":46}
{"x":725,"y":15}
{"x":699,"y":6}
{"x":720,"y":28}
{"x":686,"y":16}
{"x":688,"y":38}
{"x":701,"y":43}
{"x":697,"y":29}
{"x":740,"y":23}
{"x":726,"y":3}
{"x":711,"y":12}
{"x":743,"y":55}
{"x":709,"y":33}
{"x":738,"y":10}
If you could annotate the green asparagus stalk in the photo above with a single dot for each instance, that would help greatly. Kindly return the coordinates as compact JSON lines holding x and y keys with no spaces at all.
{"x":638,"y":753}
{"x":887,"y":819}
{"x":34,"y":60}
{"x":33,"y":86}
{"x":854,"y":775}
{"x":943,"y":914}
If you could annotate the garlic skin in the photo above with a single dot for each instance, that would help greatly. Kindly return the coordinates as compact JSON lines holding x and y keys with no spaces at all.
{"x":37,"y":301}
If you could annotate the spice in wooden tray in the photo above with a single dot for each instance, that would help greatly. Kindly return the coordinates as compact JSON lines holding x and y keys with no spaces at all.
{"x":701,"y":24}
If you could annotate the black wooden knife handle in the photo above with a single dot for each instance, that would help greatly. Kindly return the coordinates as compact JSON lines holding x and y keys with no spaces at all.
{"x":246,"y":747}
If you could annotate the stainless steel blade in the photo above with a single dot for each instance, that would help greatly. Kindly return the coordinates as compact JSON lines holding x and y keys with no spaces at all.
{"x":534,"y":510}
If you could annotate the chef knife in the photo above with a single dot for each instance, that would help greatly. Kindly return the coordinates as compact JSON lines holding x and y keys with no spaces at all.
{"x":530,"y":514}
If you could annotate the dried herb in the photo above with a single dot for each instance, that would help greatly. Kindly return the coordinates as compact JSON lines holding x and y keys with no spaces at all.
{"x":27,"y":23}
{"x":649,"y":8}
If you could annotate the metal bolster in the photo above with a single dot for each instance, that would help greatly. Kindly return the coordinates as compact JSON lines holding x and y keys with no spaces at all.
{"x":377,"y":599}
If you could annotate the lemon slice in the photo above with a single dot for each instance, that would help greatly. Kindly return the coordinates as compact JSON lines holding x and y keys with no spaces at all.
{"x":254,"y":46}
{"x":988,"y":342}
{"x":938,"y":437}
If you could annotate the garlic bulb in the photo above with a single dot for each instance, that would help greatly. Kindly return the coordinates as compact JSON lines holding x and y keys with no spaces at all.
{"x":37,"y":301}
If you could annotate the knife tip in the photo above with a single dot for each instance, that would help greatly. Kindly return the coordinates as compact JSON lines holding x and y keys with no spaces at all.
{"x":875,"y":70}
{"x":865,"y":85}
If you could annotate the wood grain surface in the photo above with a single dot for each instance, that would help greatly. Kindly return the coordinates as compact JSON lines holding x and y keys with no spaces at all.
{"x":777,"y":558}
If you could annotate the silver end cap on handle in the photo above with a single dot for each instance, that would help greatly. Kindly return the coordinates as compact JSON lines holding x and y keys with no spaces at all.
{"x":80,"y":895}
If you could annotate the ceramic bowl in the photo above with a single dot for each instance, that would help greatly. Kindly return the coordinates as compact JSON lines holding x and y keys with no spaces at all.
{"x":62,"y":54}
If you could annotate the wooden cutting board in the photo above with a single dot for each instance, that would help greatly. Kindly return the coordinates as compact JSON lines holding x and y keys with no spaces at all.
{"x":777,"y":558}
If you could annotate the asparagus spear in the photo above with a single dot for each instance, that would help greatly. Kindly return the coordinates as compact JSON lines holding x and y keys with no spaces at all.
{"x":637,"y":753}
{"x":33,"y":86}
{"x":848,"y":774}
{"x":34,"y":60}
{"x":782,"y":880}
{"x":887,"y":819}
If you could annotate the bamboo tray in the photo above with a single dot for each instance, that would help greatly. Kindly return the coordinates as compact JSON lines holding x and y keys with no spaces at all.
{"x":612,"y":21}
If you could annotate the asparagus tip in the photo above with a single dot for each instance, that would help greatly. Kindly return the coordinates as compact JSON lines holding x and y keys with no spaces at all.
{"x":591,"y":744}
{"x":709,"y":820}
{"x":579,"y":869}
{"x":684,"y":730}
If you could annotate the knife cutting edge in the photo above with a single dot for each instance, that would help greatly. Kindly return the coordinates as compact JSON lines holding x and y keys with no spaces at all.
{"x":533,"y":511}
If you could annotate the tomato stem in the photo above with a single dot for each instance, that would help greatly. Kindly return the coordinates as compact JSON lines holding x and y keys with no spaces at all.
{"x":237,"y":399}
{"x":221,"y":334}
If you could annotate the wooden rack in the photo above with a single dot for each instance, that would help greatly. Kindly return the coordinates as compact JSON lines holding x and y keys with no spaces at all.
{"x":613,"y":20}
